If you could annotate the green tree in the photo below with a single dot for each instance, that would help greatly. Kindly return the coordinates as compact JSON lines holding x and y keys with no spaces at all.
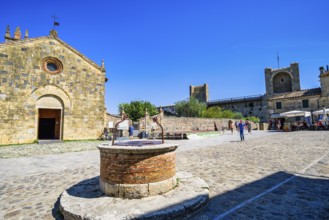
{"x":237,"y":115}
{"x":217,"y":112}
{"x":253,"y":119}
{"x":213,"y":112}
{"x":190,"y":108}
{"x":228,"y":114}
{"x":136,"y":109}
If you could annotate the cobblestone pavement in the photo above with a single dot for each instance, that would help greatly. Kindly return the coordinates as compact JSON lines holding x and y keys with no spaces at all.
{"x":269,"y":176}
{"x":28,"y":150}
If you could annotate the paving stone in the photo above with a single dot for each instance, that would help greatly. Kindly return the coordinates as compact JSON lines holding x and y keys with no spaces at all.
{"x":235,"y":172}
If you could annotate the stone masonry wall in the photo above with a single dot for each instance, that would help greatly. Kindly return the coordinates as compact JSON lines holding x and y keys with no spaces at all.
{"x":79,"y":87}
{"x":324,"y":80}
{"x":292,"y":70}
{"x":137,"y":168}
{"x":282,"y":83}
{"x":294,"y":104}
{"x":247,"y":108}
{"x":186,"y":124}
{"x":201,"y":93}
{"x":114,"y":119}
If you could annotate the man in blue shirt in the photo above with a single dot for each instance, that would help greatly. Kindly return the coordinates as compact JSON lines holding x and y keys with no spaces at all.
{"x":131,"y":132}
{"x":241,"y":127}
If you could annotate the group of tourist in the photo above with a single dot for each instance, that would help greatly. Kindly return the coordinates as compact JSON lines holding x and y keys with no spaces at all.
{"x":319,"y":125}
{"x":279,"y":124}
{"x":276,"y":124}
{"x":240,"y":126}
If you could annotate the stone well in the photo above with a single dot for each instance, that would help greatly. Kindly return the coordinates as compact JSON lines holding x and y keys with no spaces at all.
{"x":137,"y":169}
{"x":138,"y":179}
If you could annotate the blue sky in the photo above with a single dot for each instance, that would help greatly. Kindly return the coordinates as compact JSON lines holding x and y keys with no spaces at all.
{"x":155,"y":49}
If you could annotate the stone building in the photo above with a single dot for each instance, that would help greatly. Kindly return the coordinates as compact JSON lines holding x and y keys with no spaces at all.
{"x":111,"y":121}
{"x":48,"y":90}
{"x":248,"y":105}
{"x":282,"y":80}
{"x":200,"y":93}
{"x":283,"y":93}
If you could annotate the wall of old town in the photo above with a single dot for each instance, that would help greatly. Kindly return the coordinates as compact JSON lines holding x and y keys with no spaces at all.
{"x":186,"y":124}
{"x":246,"y":107}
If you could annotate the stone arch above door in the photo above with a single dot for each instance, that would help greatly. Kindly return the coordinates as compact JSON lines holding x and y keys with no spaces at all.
{"x":49,"y":93}
{"x":49,"y":101}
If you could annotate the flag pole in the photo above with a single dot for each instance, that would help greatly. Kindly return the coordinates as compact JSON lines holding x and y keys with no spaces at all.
{"x":55,"y":22}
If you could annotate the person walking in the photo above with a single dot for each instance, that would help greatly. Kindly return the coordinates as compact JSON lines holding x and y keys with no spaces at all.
{"x":241,"y":127}
{"x":230,"y":126}
{"x":131,"y":132}
{"x":236,"y":125}
{"x":278,"y":124}
{"x":248,"y":124}
{"x":105,"y":134}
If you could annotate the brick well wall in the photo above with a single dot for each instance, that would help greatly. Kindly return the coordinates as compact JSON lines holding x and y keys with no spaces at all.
{"x":137,"y":168}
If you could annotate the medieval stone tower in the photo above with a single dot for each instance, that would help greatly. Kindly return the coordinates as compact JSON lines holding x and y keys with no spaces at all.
{"x":324,"y":81}
{"x":200,"y":93}
{"x":282,"y":80}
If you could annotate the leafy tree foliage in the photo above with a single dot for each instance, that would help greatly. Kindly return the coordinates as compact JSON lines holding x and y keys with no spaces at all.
{"x":213,"y":112}
{"x":136,"y":109}
{"x":253,"y":119}
{"x":237,"y":115}
{"x":190,"y":108}
{"x":217,"y":112}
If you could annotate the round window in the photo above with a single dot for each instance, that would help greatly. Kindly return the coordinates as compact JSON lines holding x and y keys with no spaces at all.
{"x":52,"y":65}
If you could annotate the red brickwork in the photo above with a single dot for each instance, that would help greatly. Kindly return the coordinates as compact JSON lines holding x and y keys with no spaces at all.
{"x":137,"y":168}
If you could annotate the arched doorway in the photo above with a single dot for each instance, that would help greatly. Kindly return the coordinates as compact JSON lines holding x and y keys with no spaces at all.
{"x":50,"y":111}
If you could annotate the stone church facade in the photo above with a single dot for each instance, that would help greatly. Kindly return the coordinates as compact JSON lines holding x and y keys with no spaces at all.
{"x":48,"y":90}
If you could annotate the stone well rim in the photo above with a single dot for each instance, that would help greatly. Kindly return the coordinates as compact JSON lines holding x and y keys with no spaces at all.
{"x":142,"y":149}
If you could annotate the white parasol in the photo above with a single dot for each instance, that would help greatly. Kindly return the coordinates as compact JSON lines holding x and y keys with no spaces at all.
{"x":323,"y":111}
{"x":295,"y":113}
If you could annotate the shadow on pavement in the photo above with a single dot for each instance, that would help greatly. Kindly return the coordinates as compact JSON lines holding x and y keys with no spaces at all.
{"x":281,"y":195}
{"x":88,"y":188}
{"x":56,"y":213}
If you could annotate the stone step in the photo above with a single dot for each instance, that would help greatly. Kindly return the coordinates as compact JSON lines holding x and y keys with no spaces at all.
{"x":49,"y":141}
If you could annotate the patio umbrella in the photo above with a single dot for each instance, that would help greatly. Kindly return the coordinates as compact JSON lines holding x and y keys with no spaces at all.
{"x":323,"y":111}
{"x":325,"y":118}
{"x":295,"y":113}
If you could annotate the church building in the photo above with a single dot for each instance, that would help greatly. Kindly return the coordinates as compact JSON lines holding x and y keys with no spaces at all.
{"x":48,"y":91}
